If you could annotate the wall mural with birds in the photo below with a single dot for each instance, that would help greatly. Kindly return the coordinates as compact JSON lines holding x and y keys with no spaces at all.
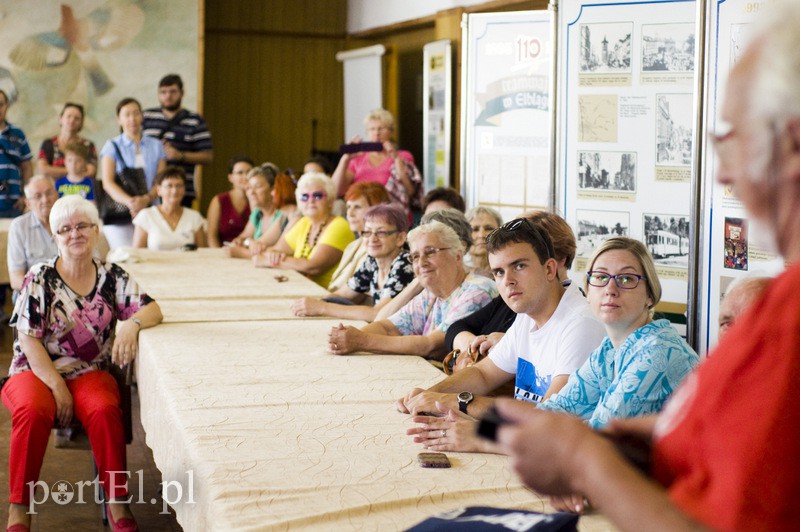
{"x":92,"y":52}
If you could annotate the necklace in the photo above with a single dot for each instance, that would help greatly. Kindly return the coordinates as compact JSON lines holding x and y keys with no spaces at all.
{"x":307,"y":249}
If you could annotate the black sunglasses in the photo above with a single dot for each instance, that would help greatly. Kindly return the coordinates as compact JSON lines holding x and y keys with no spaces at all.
{"x":525,"y":225}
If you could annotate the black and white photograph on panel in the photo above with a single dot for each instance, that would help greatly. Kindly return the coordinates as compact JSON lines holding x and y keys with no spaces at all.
{"x":596,"y":226}
{"x":674,"y":129}
{"x":606,"y":48}
{"x":668,"y":47}
{"x":607,"y":170}
{"x":667,"y":239}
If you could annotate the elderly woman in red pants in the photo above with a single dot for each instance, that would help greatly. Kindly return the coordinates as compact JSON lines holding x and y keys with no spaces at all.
{"x":66,"y":316}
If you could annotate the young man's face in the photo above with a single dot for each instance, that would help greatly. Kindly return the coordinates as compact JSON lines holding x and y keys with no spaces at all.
{"x":170,"y":97}
{"x":522,"y":280}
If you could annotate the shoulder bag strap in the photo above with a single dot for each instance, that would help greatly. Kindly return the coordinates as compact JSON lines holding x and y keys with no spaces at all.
{"x":119,"y":155}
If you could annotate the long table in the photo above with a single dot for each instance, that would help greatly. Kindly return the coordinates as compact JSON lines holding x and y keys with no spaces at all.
{"x":263,"y":429}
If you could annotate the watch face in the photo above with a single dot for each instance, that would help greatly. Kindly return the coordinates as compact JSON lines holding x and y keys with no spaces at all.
{"x":465,"y":397}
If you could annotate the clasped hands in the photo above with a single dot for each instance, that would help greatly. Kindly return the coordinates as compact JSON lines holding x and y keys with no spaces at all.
{"x":268,"y":259}
{"x":344,"y":339}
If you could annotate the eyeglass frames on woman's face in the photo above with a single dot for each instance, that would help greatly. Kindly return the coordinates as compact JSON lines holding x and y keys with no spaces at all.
{"x":82,"y":228}
{"x":366,"y":233}
{"x":316,"y":196}
{"x":626,"y":281}
{"x":525,"y":224}
{"x":426,"y":254}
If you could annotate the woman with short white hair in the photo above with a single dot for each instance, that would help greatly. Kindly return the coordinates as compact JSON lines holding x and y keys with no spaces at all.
{"x":315,"y":244}
{"x":449,"y":293}
{"x":66,"y":317}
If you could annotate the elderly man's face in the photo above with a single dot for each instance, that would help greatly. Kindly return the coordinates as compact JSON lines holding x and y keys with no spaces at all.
{"x":745,"y":145}
{"x":40,"y":196}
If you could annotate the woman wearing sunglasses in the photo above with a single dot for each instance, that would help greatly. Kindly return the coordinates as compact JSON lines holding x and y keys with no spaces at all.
{"x":315,"y":244}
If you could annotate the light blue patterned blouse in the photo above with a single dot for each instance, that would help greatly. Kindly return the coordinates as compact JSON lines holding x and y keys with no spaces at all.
{"x":634,"y":380}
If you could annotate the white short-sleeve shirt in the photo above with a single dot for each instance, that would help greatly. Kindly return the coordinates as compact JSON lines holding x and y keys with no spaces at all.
{"x":160,"y":235}
{"x":536,"y":355}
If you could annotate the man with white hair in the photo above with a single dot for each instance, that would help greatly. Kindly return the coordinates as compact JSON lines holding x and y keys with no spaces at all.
{"x":740,"y":295}
{"x":725,"y":449}
{"x":29,"y":237}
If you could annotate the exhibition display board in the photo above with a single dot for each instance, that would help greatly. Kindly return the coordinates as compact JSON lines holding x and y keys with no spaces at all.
{"x":437,"y":115}
{"x":506,"y":148}
{"x":734,"y":246}
{"x":627,"y":131}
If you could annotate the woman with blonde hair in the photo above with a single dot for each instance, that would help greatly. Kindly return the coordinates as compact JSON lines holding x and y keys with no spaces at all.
{"x":483,"y":221}
{"x":390,"y":167}
{"x":633,"y":371}
{"x":266,"y":222}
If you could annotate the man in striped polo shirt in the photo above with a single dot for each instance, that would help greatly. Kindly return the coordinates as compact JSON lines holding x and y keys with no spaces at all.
{"x":185,"y":135}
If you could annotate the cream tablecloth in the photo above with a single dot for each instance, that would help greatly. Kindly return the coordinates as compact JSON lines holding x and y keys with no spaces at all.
{"x":210,"y":274}
{"x":266,"y":431}
{"x":251,"y":309}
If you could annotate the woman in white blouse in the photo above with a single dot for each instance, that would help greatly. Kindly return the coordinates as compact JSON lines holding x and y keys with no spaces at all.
{"x":169,"y":225}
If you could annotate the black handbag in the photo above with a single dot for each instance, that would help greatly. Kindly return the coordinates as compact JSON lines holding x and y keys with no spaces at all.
{"x":132,"y":181}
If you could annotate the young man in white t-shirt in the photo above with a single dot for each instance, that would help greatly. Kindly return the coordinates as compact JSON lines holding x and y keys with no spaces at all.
{"x":552,"y":336}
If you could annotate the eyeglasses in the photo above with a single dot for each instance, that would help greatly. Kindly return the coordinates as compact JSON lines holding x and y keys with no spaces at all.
{"x":316,"y":196}
{"x":82,"y":228}
{"x":626,"y":281}
{"x":367,"y":234}
{"x":543,"y":241}
{"x":426,"y":254}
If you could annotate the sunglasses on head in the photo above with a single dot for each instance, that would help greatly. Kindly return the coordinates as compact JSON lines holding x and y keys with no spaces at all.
{"x":525,"y":225}
{"x":316,"y":196}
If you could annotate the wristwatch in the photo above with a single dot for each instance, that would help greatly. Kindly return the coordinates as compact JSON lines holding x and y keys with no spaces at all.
{"x":464,"y":399}
{"x":137,"y":321}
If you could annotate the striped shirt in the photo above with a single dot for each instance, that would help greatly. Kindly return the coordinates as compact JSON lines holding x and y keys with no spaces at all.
{"x":186,"y":131}
{"x":14,"y":150}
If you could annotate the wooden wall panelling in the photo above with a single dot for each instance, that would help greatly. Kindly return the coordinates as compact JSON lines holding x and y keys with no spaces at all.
{"x":270,"y":68}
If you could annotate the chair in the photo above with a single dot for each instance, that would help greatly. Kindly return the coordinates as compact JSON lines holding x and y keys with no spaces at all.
{"x":80,"y":441}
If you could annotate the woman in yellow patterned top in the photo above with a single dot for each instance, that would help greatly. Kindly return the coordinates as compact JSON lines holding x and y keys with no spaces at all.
{"x":315,"y":244}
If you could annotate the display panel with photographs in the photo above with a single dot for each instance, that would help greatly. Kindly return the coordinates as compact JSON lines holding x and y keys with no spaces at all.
{"x":627,"y":135}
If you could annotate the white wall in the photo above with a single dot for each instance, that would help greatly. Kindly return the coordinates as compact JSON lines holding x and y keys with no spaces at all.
{"x":367,"y":14}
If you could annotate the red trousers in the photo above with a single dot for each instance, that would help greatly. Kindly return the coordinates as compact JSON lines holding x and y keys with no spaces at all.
{"x":95,"y":398}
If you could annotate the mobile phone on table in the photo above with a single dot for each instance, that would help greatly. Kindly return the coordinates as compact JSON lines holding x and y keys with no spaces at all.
{"x":433,"y":460}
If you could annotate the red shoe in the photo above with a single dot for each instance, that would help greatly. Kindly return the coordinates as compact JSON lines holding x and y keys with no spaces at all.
{"x":126,"y":524}
{"x":19,"y":527}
